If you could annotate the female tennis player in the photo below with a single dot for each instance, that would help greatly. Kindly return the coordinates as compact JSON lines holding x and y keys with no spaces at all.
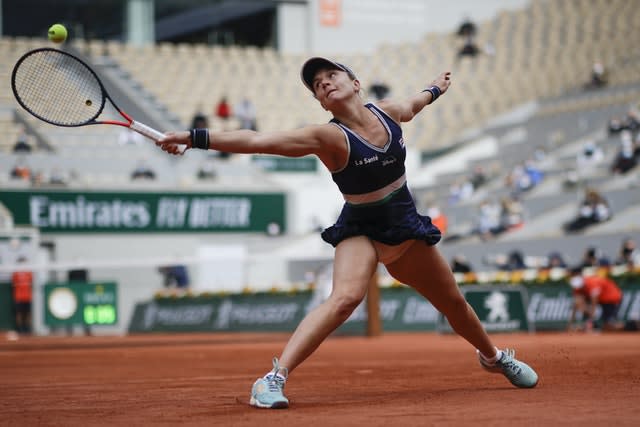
{"x":363,"y":148}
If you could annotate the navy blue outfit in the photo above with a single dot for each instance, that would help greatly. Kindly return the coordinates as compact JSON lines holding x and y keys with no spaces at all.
{"x":378,"y":203}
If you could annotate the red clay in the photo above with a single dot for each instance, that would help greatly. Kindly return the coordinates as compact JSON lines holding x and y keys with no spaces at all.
{"x":392,"y":380}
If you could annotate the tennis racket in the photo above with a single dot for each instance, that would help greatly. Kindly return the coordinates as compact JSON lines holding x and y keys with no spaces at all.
{"x":61,"y":89}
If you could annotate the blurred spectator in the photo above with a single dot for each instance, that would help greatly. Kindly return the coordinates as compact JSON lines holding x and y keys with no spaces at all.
{"x":143,"y":171}
{"x":207,"y":170}
{"x":22,"y":142}
{"x":589,"y":157}
{"x":587,"y":162}
{"x":22,"y":283}
{"x":467,"y":28}
{"x":556,"y":260}
{"x":525,"y":176}
{"x":379,"y":89}
{"x":489,"y":220}
{"x":460,"y":264}
{"x":511,"y":214}
{"x":438,"y":218}
{"x":512,"y":261}
{"x":38,"y":178}
{"x":598,"y":76}
{"x":627,"y":157}
{"x":223,"y":109}
{"x":21,"y":170}
{"x":615,"y":125}
{"x":175,"y":278}
{"x":460,"y":191}
{"x":588,"y":293}
{"x":478,"y":177}
{"x":245,"y":112}
{"x":469,"y":48}
{"x":629,"y":255}
{"x":592,"y":258}
{"x":57,"y":177}
{"x":467,"y":31}
{"x":630,"y":122}
{"x":594,"y":209}
{"x":199,"y":120}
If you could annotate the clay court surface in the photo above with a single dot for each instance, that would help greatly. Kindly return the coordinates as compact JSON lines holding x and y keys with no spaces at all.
{"x":392,"y":380}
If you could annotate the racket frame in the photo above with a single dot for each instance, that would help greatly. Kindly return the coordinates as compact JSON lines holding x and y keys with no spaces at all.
{"x":136,"y":126}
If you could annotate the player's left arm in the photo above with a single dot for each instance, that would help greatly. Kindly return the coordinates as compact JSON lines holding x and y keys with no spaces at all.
{"x":406,"y":109}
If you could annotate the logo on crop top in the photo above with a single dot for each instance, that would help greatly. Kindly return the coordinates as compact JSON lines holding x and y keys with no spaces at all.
{"x":366,"y":160}
{"x":388,"y":161}
{"x":401,"y":142}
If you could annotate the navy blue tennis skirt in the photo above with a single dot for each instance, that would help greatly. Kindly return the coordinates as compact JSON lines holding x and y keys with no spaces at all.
{"x":392,"y":222}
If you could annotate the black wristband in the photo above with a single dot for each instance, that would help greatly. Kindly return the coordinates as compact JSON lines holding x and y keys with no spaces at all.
{"x":200,"y":138}
{"x":434,"y":91}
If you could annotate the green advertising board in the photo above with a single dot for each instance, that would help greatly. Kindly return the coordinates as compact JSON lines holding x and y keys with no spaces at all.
{"x":78,"y":303}
{"x":263,"y":312}
{"x":549,"y":306}
{"x":401,"y":309}
{"x":499,"y":308}
{"x":149,"y":212}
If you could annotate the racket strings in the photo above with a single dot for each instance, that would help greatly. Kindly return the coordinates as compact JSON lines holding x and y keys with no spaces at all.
{"x":58,"y":88}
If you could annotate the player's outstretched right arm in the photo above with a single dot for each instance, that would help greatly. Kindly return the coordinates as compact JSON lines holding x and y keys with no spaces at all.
{"x":324,"y":141}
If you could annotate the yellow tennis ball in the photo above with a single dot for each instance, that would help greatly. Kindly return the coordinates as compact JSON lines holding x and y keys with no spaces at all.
{"x":57,"y":33}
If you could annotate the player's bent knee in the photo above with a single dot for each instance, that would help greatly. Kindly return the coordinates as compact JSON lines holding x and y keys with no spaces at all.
{"x":343,"y":305}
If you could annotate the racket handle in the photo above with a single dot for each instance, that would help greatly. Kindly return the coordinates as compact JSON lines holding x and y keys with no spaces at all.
{"x":147,"y":131}
{"x":150,"y":132}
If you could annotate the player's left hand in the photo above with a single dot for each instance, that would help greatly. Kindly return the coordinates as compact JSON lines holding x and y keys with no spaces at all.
{"x":443,"y":81}
{"x":173,"y":141}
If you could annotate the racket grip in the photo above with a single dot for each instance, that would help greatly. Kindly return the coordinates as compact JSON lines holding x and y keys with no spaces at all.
{"x":147,"y":131}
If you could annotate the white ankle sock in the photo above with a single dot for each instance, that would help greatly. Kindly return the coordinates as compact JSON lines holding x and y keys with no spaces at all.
{"x":494,"y":359}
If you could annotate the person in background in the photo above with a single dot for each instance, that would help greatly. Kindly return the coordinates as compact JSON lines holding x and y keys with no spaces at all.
{"x":364,"y":149}
{"x":589,"y":292}
{"x":245,"y":112}
{"x":223,"y":111}
{"x":594,"y":209}
{"x":22,"y":144}
{"x":439,"y":219}
{"x":199,"y":120}
{"x":593,"y":258}
{"x":629,"y":255}
{"x":22,"y":283}
{"x":460,"y":264}
{"x":175,"y":278}
{"x":379,"y":89}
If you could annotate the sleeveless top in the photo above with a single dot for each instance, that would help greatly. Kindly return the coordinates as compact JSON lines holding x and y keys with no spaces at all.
{"x":378,"y":203}
{"x":371,"y":169}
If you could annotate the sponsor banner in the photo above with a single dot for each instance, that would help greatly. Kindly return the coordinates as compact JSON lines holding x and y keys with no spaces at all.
{"x":95,"y":212}
{"x":499,"y":308}
{"x":550,"y":306}
{"x":260,"y":312}
{"x":400,"y":310}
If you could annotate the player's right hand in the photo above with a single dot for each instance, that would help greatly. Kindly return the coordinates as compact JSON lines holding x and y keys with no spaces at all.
{"x":173,"y":141}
